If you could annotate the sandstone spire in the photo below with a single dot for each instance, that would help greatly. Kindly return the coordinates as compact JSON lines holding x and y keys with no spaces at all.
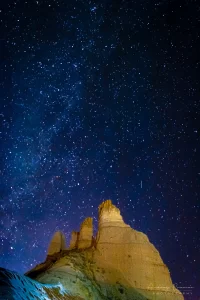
{"x":57,"y":243}
{"x":86,"y":233}
{"x":74,"y":240}
{"x":109,"y":215}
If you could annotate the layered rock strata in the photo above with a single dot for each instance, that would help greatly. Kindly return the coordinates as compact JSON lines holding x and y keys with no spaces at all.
{"x":130,"y":251}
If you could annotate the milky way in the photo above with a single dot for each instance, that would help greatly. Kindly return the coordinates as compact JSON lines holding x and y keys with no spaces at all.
{"x":100,"y":100}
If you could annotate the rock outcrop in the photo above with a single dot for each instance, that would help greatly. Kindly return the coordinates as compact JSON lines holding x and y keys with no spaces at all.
{"x":14,"y":286}
{"x":129,"y":251}
{"x":86,"y":233}
{"x":120,"y":263}
{"x":57,"y":243}
{"x":109,"y":215}
{"x":74,"y":240}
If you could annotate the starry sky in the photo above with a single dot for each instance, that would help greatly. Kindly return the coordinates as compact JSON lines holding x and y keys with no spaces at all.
{"x":100,"y":100}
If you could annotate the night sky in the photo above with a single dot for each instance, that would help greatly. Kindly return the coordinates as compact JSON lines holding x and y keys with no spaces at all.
{"x":100,"y":100}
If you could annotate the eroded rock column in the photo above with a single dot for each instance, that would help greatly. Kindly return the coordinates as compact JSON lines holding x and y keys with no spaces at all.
{"x":57,"y":243}
{"x":86,"y":233}
{"x":74,"y":240}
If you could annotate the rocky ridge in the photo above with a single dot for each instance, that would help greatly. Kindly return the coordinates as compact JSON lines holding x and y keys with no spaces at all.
{"x":119,"y":263}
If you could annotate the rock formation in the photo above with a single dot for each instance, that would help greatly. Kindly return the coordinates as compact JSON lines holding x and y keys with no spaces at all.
{"x":120,"y":263}
{"x":57,"y":243}
{"x":110,"y":214}
{"x":74,"y":240}
{"x":121,"y":247}
{"x":86,"y":233}
{"x":14,"y":286}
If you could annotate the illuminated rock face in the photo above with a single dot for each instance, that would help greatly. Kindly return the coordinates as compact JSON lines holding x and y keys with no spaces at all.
{"x":109,"y":215}
{"x":15,"y":286}
{"x":120,"y":263}
{"x":84,"y":238}
{"x":123,"y":248}
{"x":57,"y":243}
{"x":85,"y":235}
{"x":74,"y":240}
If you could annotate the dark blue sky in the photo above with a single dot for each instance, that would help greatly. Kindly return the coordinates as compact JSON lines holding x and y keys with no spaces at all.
{"x":99,"y":100}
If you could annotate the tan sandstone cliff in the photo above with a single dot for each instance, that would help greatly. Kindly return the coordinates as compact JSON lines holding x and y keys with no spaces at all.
{"x":120,"y":263}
